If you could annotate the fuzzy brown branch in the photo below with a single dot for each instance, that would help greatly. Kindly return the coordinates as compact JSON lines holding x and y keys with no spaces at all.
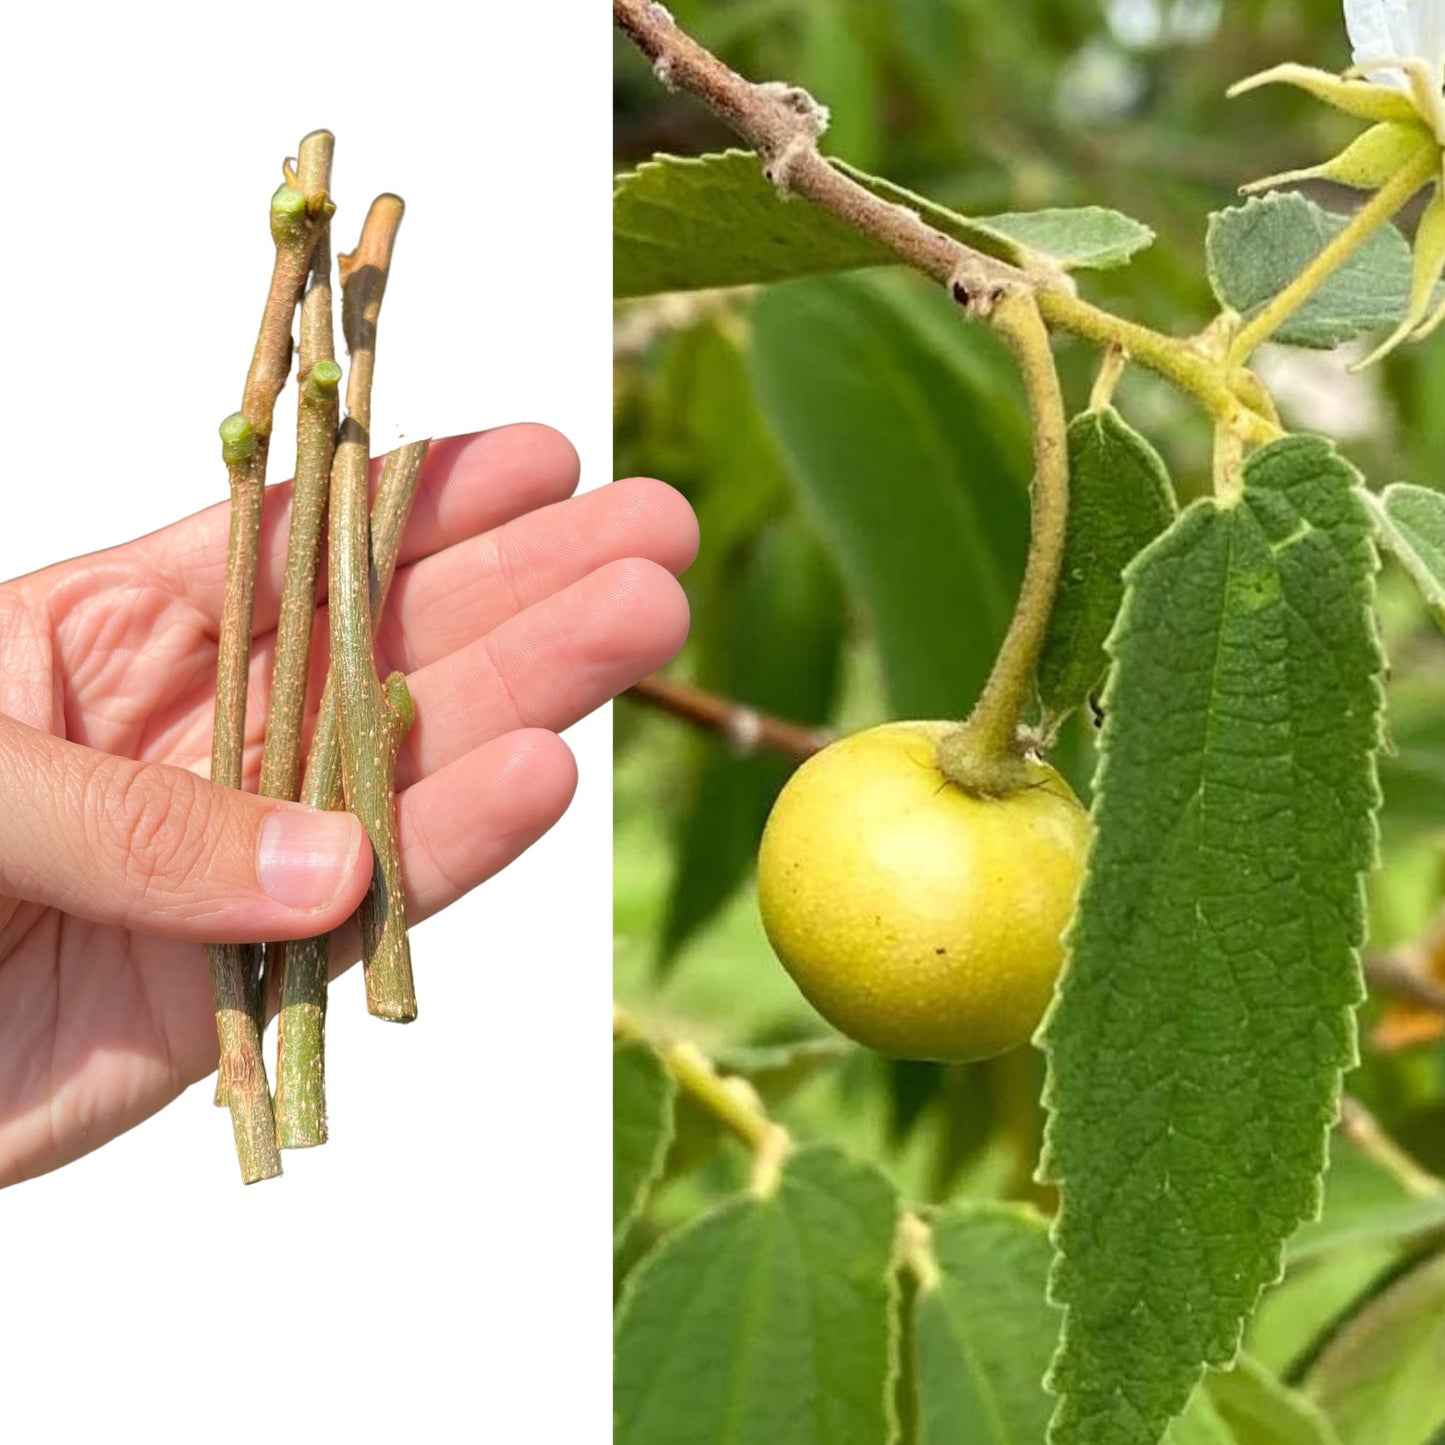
{"x":783,"y":123}
{"x":745,"y":728}
{"x":372,"y":718}
{"x":245,"y":437}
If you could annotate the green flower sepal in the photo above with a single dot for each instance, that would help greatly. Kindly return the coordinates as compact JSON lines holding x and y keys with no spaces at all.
{"x":1396,"y":84}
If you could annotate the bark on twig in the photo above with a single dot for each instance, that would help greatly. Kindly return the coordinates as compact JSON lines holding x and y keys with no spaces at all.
{"x":302,"y":966}
{"x":241,"y":1074}
{"x":783,"y":123}
{"x":372,"y":718}
{"x":745,"y":728}
{"x":318,"y":410}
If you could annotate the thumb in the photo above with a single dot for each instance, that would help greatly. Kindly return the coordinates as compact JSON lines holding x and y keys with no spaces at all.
{"x":162,"y":851}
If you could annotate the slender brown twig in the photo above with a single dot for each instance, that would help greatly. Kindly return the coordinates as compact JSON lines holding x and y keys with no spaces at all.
{"x":374,"y":718}
{"x":303,"y":965}
{"x":745,"y":728}
{"x":317,"y":413}
{"x":1400,"y":976}
{"x":245,"y":439}
{"x":783,"y":124}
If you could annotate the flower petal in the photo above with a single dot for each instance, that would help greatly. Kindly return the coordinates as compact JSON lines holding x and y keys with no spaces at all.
{"x":1430,"y":33}
{"x":1381,"y":31}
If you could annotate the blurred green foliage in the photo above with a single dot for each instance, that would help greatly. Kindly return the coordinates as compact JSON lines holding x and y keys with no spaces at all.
{"x":859,"y":464}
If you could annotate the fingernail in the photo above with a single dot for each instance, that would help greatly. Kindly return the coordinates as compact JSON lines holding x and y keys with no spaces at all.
{"x":306,"y":857}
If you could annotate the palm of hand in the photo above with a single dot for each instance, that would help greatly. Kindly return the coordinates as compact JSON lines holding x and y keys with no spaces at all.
{"x":514,"y":613}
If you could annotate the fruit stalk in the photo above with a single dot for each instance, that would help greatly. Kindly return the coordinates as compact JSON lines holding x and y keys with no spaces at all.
{"x":303,"y":964}
{"x":373,"y":719}
{"x":985,"y":755}
{"x":245,"y":438}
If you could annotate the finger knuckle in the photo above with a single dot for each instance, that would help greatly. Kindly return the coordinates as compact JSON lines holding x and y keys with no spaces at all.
{"x":156,"y":822}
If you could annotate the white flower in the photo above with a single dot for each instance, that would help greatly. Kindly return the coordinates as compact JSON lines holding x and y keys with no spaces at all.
{"x":1401,"y":44}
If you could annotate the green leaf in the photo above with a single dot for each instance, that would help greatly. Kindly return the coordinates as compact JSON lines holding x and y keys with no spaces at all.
{"x":836,"y":60}
{"x":1071,"y":238}
{"x":693,"y":224}
{"x":1201,"y":1424}
{"x":1257,"y":249}
{"x":1296,"y":1313}
{"x":774,"y":641}
{"x":777,"y":1071}
{"x":642,"y":1096}
{"x":1368,"y":1217}
{"x":1207,"y":1008}
{"x":1261,"y":1410}
{"x":1412,"y":767}
{"x":687,"y":225}
{"x":902,"y":430}
{"x":1364,"y":1203}
{"x":1410,"y":523}
{"x":768,"y":1320}
{"x":1120,"y":499}
{"x":1379,"y":1380}
{"x":983,"y":1329}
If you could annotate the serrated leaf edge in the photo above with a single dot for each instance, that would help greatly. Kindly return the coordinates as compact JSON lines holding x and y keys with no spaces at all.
{"x":1399,"y":546}
{"x":1043,"y":1173}
{"x":739,"y":1202}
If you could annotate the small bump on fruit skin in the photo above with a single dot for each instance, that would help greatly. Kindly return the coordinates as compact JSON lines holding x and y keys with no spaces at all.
{"x":919,"y":919}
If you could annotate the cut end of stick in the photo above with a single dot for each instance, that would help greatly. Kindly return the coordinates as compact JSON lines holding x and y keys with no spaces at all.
{"x":378,"y":236}
{"x":238,"y":439}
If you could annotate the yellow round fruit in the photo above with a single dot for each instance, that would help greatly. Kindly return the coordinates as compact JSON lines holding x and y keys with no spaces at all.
{"x":922,"y":920}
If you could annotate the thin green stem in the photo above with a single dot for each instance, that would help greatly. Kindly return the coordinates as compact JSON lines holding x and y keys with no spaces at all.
{"x":303,"y":965}
{"x":1177,"y":360}
{"x":372,"y":719}
{"x":1376,"y":212}
{"x":985,"y":754}
{"x":241,"y":1073}
{"x":733,"y":1102}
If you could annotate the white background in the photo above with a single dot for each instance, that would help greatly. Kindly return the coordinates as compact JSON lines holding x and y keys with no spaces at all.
{"x":438,"y":1270}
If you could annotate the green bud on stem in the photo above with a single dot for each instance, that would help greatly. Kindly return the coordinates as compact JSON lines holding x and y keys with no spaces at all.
{"x":321,"y":381}
{"x":288,"y":215}
{"x":238,"y":440}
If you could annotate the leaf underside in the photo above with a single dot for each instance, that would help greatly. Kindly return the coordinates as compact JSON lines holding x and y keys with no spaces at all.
{"x":689,"y":224}
{"x":1410,"y":523}
{"x":1206,"y":1012}
{"x":1257,"y":249}
{"x":768,"y":1320}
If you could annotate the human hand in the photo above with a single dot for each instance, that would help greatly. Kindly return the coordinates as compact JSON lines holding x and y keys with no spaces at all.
{"x":516,"y":610}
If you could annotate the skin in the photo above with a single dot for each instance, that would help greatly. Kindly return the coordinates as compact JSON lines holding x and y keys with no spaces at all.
{"x":517,"y":610}
{"x":921,"y":920}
